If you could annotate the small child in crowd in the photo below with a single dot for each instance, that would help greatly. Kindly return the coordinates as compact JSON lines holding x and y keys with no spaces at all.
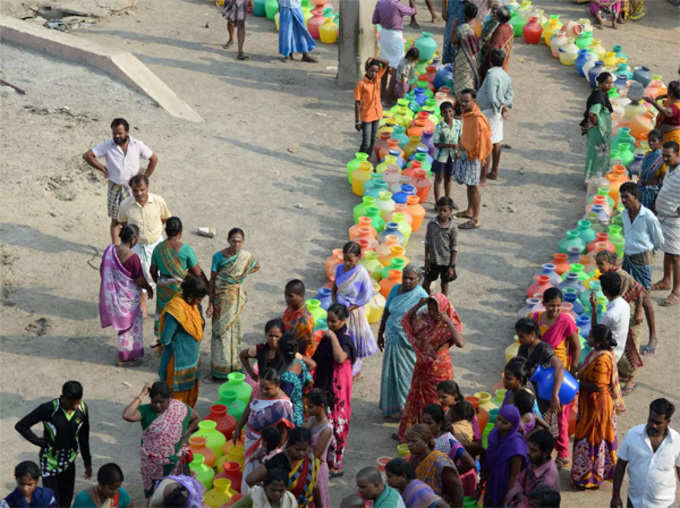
{"x":271,"y":444}
{"x":541,"y":470}
{"x":440,"y":247}
{"x":448,"y":393}
{"x":445,"y":138}
{"x":617,"y":315}
{"x":461,"y":416}
{"x":27,"y":493}
{"x":405,"y":72}
{"x":368,"y":106}
{"x":529,"y":420}
{"x":297,"y":318}
{"x":322,"y":438}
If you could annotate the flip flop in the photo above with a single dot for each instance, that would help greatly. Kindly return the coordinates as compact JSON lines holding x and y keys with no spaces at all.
{"x":648,"y":350}
{"x":671,"y":300}
{"x":469,"y":225}
{"x":462,"y":215}
{"x":628,"y":390}
{"x":243,"y":57}
{"x":659,"y":286}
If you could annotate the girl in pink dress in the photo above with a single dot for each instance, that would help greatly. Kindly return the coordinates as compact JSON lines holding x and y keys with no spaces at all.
{"x":322,"y":438}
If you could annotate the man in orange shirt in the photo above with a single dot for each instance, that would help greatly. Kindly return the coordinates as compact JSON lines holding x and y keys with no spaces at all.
{"x":368,"y":106}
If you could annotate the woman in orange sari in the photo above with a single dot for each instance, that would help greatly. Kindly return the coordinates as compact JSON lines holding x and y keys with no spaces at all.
{"x":180,"y":334}
{"x":431,"y":332}
{"x":560,"y":331}
{"x":600,"y":397}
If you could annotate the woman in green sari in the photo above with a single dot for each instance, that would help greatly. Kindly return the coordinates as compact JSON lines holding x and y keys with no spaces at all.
{"x":597,"y":126}
{"x":170,"y":263}
{"x":230,"y":267}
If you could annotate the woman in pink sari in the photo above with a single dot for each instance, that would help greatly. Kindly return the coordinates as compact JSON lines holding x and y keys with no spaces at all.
{"x":166,"y":424}
{"x":559,"y":330}
{"x":120,"y":295}
{"x":269,"y":406}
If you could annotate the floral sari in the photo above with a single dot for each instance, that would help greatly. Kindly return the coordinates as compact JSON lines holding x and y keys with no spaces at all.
{"x":119,"y":305}
{"x":162,"y":444}
{"x":431,"y":341}
{"x":398,"y":356}
{"x":431,"y":468}
{"x":301,"y":322}
{"x":263,"y":413}
{"x":172,"y":273}
{"x":651,"y":165}
{"x":595,"y":444}
{"x":465,"y":74}
{"x":227,"y":306}
{"x":355,"y":287}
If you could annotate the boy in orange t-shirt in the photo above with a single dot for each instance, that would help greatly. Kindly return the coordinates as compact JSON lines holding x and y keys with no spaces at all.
{"x":368,"y":105}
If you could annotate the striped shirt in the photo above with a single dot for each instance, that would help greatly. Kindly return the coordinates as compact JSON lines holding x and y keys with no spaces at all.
{"x":668,"y":200}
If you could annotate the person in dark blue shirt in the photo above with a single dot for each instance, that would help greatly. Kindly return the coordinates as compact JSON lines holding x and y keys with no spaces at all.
{"x":28,"y":494}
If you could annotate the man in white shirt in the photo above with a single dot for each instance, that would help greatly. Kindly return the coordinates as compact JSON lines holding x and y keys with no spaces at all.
{"x":653,"y":453}
{"x":122,"y":154}
{"x":617,"y":316}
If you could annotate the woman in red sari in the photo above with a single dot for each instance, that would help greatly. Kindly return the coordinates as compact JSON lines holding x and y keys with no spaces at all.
{"x":500,"y":38}
{"x":560,"y":331}
{"x":600,"y":397}
{"x":431,"y":333}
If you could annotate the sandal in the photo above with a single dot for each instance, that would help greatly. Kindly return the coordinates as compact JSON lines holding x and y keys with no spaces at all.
{"x":469,"y":225}
{"x":658,"y":286}
{"x":671,"y":300}
{"x":627,"y":390}
{"x":462,"y":215}
{"x":561,"y":462}
{"x":648,"y":350}
{"x":241,"y":56}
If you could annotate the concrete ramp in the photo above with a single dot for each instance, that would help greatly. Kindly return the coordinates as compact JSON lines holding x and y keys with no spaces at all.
{"x":121,"y":65}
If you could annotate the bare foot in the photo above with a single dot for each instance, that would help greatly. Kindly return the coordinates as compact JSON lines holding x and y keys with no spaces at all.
{"x":492,"y":176}
{"x":242,"y":56}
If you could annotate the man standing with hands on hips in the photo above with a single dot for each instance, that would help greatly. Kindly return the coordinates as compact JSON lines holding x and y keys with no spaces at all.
{"x":122,"y":153}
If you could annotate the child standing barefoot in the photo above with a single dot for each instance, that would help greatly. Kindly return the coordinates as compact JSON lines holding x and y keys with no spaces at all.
{"x":322,"y":438}
{"x":368,"y":106}
{"x":440,"y":247}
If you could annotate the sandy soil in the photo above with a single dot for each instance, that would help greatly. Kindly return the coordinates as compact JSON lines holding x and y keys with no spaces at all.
{"x":269,"y":158}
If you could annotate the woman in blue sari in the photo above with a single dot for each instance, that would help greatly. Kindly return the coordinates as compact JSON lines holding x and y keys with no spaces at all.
{"x":453,"y":11}
{"x":399,"y":357}
{"x":648,"y":184}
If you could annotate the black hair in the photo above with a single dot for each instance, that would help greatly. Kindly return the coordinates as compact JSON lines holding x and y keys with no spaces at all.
{"x":120,"y":121}
{"x":173,"y":226}
{"x":528,"y":325}
{"x":288,"y":346}
{"x":413,"y":53}
{"x":176,"y":498}
{"x":274,"y":323}
{"x":236,"y":231}
{"x":662,"y":407}
{"x":400,"y":467}
{"x":602,"y":335}
{"x":437,"y":414}
{"x":517,"y":367}
{"x":545,"y":497}
{"x":137,"y":179}
{"x":276,"y":475}
{"x":446,"y":105}
{"x":271,"y":375}
{"x":607,"y":255}
{"x":503,"y":14}
{"x":160,"y":388}
{"x":470,"y":91}
{"x":128,"y":232}
{"x":339,"y":310}
{"x":194,"y":287}
{"x":27,"y":468}
{"x":449,"y":387}
{"x":109,"y":474}
{"x":602,"y":77}
{"x":672,"y":145}
{"x":630,"y":188}
{"x":497,"y":56}
{"x":656,"y":134}
{"x":461,"y":410}
{"x":470,"y":10}
{"x":299,"y":435}
{"x":72,"y":390}
{"x":445,"y":200}
{"x":295,"y":286}
{"x":551,"y":293}
{"x":524,"y":401}
{"x":674,"y":89}
{"x":611,"y":283}
{"x":271,"y":437}
{"x":371,"y":62}
{"x":317,"y":397}
{"x":544,"y":440}
{"x":352,"y":248}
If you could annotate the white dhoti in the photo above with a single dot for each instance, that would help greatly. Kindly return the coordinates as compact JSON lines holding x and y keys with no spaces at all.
{"x":496,"y":124}
{"x":670,"y":227}
{"x":392,"y":46}
{"x":145,"y":251}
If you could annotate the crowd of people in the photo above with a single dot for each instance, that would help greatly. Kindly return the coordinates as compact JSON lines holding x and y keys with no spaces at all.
{"x":295,"y":428}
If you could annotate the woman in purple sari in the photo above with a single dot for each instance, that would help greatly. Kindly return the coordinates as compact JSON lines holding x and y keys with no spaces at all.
{"x":353,"y":288}
{"x":120,"y":295}
{"x":506,"y":456}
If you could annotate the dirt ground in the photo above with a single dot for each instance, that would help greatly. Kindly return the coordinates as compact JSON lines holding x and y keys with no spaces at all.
{"x":269,"y":158}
